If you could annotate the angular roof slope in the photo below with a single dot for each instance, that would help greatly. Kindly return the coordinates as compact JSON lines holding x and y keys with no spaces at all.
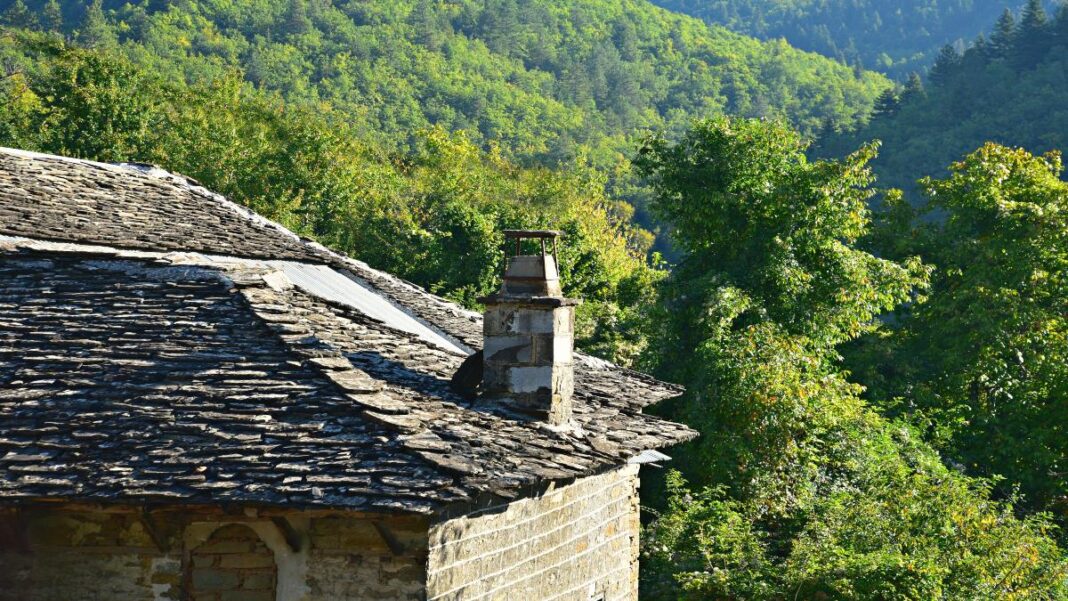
{"x":150,"y":375}
{"x":56,"y":198}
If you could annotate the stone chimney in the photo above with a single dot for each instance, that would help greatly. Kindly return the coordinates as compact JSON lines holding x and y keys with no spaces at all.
{"x":528,"y":333}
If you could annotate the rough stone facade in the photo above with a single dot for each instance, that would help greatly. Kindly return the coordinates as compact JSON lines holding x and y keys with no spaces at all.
{"x":528,"y":355}
{"x":234,"y":564}
{"x":577,"y":542}
{"x":95,"y":555}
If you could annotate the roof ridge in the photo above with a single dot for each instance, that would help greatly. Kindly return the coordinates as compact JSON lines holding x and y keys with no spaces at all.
{"x":262,"y":289}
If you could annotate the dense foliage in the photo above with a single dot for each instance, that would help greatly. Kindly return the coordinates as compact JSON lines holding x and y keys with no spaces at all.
{"x":802,"y":490}
{"x":545,"y":79}
{"x":1008,"y":89}
{"x":816,"y":476}
{"x":893,"y":36}
{"x":982,"y":365}
{"x":433,"y":215}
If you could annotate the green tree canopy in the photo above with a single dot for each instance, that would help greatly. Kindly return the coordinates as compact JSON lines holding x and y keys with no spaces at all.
{"x":52,"y":17}
{"x":890,"y":36}
{"x":94,"y":31}
{"x":18,"y":15}
{"x":1033,"y":33}
{"x":803,"y":490}
{"x":1003,"y":39}
{"x":983,"y":364}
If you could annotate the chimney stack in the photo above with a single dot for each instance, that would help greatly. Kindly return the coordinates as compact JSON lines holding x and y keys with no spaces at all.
{"x":528,"y":332}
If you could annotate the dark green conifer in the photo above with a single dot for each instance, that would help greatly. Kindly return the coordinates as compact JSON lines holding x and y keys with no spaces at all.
{"x":1003,"y":39}
{"x":981,"y":46}
{"x":1032,"y":35}
{"x":52,"y":17}
{"x":887,"y":104}
{"x":945,"y":66}
{"x":913,"y":88}
{"x":1060,"y":24}
{"x":17,"y":15}
{"x":95,"y":30}
{"x":297,"y":21}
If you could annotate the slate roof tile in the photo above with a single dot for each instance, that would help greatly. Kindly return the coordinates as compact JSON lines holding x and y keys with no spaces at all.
{"x":132,"y":369}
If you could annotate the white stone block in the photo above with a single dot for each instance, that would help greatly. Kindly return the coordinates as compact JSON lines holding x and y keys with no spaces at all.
{"x":530,"y":379}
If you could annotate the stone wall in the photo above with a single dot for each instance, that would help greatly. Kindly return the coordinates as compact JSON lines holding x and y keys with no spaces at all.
{"x":576,"y":542}
{"x":353,"y":559}
{"x":234,"y":564}
{"x":95,"y":555}
{"x":84,"y":556}
{"x":573,"y":542}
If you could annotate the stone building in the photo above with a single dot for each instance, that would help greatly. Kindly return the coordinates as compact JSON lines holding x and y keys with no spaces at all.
{"x":196,"y":404}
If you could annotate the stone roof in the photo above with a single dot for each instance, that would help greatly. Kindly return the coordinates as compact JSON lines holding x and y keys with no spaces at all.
{"x":137,"y":365}
{"x":139,"y":207}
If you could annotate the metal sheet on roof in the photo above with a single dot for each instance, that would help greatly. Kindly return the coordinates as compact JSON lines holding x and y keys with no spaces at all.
{"x":649,"y":456}
{"x":330,"y":285}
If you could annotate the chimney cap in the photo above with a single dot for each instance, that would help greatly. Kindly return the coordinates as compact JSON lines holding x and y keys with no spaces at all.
{"x":521,"y":234}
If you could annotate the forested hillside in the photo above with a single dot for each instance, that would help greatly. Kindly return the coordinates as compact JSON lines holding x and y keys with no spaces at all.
{"x":1009,"y":89}
{"x":543,"y":79}
{"x":892,"y":36}
{"x":842,"y":455}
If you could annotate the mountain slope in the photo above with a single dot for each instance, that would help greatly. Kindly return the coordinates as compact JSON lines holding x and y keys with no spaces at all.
{"x":547,"y":79}
{"x":1010,"y":90}
{"x":892,"y":36}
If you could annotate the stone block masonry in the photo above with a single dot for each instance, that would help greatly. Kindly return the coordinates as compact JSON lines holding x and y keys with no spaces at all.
{"x":81,"y":554}
{"x":578,"y":542}
{"x":233,"y":565}
{"x":570,"y":542}
{"x":528,"y":355}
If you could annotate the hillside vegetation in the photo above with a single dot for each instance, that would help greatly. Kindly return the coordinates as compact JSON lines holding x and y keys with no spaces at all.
{"x":892,"y":36}
{"x":543,"y":79}
{"x":1008,"y":89}
{"x":802,"y":487}
{"x":842,"y":455}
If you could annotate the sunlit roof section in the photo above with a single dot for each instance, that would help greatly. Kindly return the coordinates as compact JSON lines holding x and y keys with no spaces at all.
{"x":328,"y":284}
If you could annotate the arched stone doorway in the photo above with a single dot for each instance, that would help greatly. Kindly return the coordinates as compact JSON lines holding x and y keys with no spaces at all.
{"x":232,"y":565}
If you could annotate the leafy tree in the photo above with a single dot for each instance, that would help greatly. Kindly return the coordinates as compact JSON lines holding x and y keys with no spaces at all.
{"x":19,"y":110}
{"x":983,"y":364}
{"x":803,"y":491}
{"x":97,"y":108}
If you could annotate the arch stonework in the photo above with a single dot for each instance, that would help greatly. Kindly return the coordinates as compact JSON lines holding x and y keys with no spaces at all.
{"x":232,"y":564}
